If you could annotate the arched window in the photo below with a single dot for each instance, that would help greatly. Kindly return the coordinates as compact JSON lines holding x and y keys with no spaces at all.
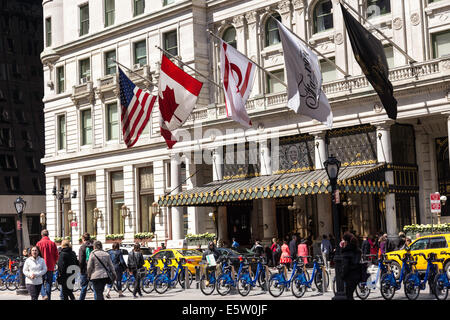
{"x":323,"y":16}
{"x":272,"y":34}
{"x":229,"y":36}
{"x":378,"y":7}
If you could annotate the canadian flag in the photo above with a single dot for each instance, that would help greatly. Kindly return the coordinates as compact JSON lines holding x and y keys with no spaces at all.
{"x":178,"y":93}
{"x":237,"y":78}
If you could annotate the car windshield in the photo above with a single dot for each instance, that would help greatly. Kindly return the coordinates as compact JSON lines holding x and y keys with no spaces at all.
{"x":189,"y":252}
{"x":146,"y":251}
{"x":242,"y":251}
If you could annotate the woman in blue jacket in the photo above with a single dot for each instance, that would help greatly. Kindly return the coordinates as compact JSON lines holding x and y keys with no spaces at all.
{"x":119,"y":266}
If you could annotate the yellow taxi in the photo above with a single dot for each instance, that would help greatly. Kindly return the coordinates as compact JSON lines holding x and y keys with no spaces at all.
{"x":193,"y":258}
{"x":435,"y":243}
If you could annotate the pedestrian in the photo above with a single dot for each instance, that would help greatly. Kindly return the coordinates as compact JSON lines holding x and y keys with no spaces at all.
{"x":49,"y":252}
{"x":417,"y":235}
{"x":34,"y":269}
{"x":234,"y":243}
{"x":276,"y":252}
{"x":135,"y":267}
{"x":333,"y":250}
{"x":382,"y":245}
{"x":351,"y":258}
{"x":258,"y":249}
{"x":83,"y":255}
{"x":100,"y":270}
{"x":66,"y":262}
{"x":119,"y":266}
{"x":293,"y":248}
{"x":406,"y":244}
{"x":302,"y":251}
{"x":325,"y":248}
{"x":199,"y":248}
{"x":211,"y":250}
{"x":401,"y":240}
{"x":162,"y":247}
{"x":373,"y":245}
{"x":286,"y":255}
{"x":365,"y":246}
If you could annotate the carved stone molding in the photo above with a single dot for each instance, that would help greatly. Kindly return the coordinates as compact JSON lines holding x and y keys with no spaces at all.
{"x":397,"y":23}
{"x":238,"y":21}
{"x":339,"y":38}
{"x":415,"y":19}
{"x":298,"y":6}
{"x":251,"y":17}
{"x":284,"y":7}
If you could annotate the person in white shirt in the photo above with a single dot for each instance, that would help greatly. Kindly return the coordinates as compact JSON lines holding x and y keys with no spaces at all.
{"x":33,"y":269}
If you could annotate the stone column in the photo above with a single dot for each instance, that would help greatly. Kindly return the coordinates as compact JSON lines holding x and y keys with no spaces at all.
{"x":268,"y":205}
{"x":448,"y":134}
{"x":133,"y":220}
{"x":384,"y":154}
{"x":75,"y":205}
{"x":253,"y":48}
{"x":221,"y":217}
{"x":176,"y":212}
{"x":101,"y":193}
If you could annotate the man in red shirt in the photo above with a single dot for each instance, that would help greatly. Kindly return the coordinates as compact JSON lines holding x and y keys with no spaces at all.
{"x":49,"y":253}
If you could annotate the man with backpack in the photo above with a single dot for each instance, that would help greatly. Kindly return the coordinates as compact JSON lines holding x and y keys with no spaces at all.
{"x":83,"y":255}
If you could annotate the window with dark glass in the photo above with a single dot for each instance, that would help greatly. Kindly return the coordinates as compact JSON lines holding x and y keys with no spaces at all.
{"x":85,"y":70}
{"x":273,"y":85}
{"x":117,"y":201}
{"x":64,"y":207}
{"x":60,"y":85}
{"x":171,"y":42}
{"x":140,"y":53}
{"x":61,"y":134}
{"x":441,"y":44}
{"x":229,"y":36}
{"x":167,"y":2}
{"x":138,"y":7}
{"x":84,"y":19}
{"x":86,"y":127}
{"x":378,"y":7}
{"x":146,"y":199}
{"x":109,"y":12}
{"x":90,"y":203}
{"x":110,"y":63}
{"x":112,"y":125}
{"x":48,"y":32}
{"x":323,"y":16}
{"x":272,"y":33}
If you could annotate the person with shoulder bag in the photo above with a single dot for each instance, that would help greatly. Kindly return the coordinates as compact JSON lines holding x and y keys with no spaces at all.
{"x":136,"y":267}
{"x":119,"y":266}
{"x":67,"y":258}
{"x":353,"y":269}
{"x":83,"y":254}
{"x":100,"y":270}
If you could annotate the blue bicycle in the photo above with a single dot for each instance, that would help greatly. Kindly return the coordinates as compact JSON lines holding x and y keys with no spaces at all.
{"x":226,"y":280}
{"x":363,"y":288}
{"x":413,"y":284}
{"x":245,"y":282}
{"x":164,"y":280}
{"x":147,"y":281}
{"x":389,"y":284}
{"x":442,"y":282}
{"x":208,"y":279}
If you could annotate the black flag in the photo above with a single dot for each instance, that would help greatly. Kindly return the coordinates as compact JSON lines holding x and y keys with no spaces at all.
{"x":369,"y":53}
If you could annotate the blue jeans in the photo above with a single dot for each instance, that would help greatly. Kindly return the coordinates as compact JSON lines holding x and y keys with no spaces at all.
{"x":118,"y":281}
{"x":99,"y":286}
{"x":46,"y":289}
{"x":84,"y":285}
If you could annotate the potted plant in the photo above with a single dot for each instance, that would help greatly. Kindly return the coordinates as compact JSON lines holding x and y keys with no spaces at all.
{"x":202,"y":239}
{"x":110,"y":238}
{"x":58,"y":240}
{"x":425,"y":229}
{"x":143,"y":237}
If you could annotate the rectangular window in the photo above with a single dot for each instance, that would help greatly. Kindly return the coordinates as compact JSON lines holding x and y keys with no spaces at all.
{"x":389,"y":52}
{"x":117,"y":201}
{"x":60,"y":87}
{"x":48,"y":32}
{"x":112,"y":122}
{"x":167,"y":2}
{"x":61,"y":127}
{"x":171,"y":42}
{"x":139,"y":6}
{"x":273,"y":85}
{"x":85,"y":70}
{"x":378,"y":7}
{"x":110,"y":63}
{"x":146,"y":199}
{"x":84,"y":19}
{"x":328,"y":71}
{"x":90,"y":203}
{"x":140,"y":53}
{"x":66,"y":206}
{"x":109,"y":12}
{"x":441,"y":44}
{"x":86,"y":127}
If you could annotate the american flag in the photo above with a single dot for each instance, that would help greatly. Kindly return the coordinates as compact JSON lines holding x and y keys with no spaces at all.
{"x":136,"y":106}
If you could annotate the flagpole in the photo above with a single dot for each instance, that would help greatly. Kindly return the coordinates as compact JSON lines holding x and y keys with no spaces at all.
{"x":184,"y":64}
{"x":153,"y":84}
{"x":314,"y":49}
{"x":411,"y":60}
{"x":262,"y":68}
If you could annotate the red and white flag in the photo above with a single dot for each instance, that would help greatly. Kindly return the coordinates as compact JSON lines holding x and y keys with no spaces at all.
{"x":237,"y":77}
{"x":178,"y":93}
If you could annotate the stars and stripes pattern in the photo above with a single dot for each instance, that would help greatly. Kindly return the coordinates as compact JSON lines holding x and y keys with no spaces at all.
{"x":136,"y":108}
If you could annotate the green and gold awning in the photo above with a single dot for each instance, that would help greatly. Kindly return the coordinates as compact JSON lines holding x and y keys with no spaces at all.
{"x":363,"y":179}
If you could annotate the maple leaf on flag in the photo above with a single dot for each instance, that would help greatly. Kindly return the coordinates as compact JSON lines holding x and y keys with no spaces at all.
{"x":167,"y":104}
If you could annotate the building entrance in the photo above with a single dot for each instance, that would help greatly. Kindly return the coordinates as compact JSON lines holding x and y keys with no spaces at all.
{"x":238,"y":221}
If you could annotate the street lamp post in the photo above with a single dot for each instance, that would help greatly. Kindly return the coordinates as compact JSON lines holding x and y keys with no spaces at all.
{"x":59,"y":195}
{"x":20,"y":205}
{"x":332,"y":166}
{"x":125,"y":214}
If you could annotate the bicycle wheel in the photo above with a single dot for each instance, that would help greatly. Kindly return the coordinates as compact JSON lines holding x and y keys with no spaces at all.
{"x":243,"y":284}
{"x":2,"y":284}
{"x":207,"y":285}
{"x":362,"y":291}
{"x":412,"y":286}
{"x":147,"y":285}
{"x":276,"y":285}
{"x":262,"y":282}
{"x":298,"y":286}
{"x":11,"y":283}
{"x":182,"y":279}
{"x":386,"y":289}
{"x":222,"y":285}
{"x":161,"y":283}
{"x":321,"y":280}
{"x":440,"y":290}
